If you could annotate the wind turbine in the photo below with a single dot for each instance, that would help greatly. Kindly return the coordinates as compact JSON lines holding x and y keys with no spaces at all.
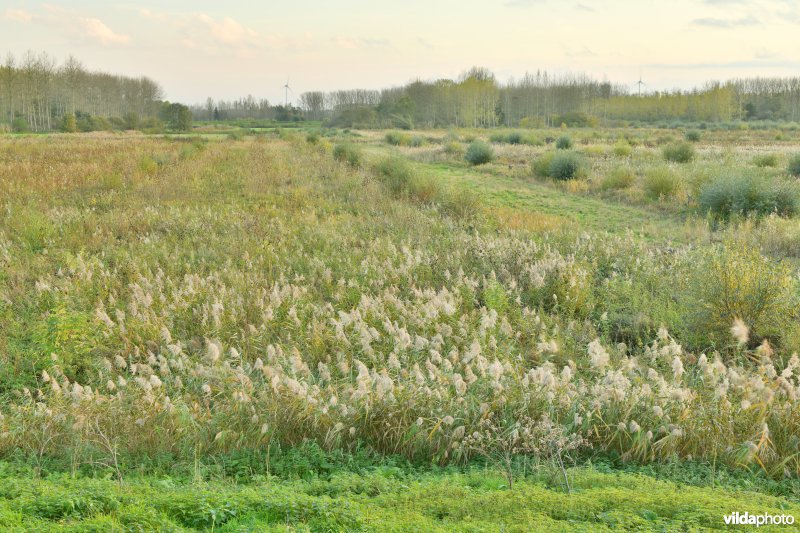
{"x":287,"y":90}
{"x":640,"y":83}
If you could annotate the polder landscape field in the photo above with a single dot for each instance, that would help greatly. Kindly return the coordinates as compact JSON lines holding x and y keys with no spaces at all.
{"x":322,"y":329}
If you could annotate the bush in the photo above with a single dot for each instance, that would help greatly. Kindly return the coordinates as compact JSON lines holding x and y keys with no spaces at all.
{"x":397,"y":174}
{"x":348,"y":153}
{"x":395,"y":138}
{"x":566,"y":165}
{"x":747,"y":195}
{"x":679,"y":152}
{"x":312,"y":137}
{"x":622,"y":149}
{"x":541,"y":165}
{"x":479,"y":153}
{"x":661,"y":182}
{"x":737,"y":282}
{"x":766,"y":160}
{"x":20,"y":125}
{"x":416,"y":141}
{"x":794,"y":166}
{"x":692,"y":136}
{"x":69,"y":124}
{"x":564,"y":143}
{"x":514,"y":137}
{"x":618,"y":178}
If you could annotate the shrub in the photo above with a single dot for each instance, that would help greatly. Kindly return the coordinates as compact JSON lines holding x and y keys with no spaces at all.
{"x":312,"y":137}
{"x":661,"y":182}
{"x":692,"y":136}
{"x":681,"y":152}
{"x":479,"y":153}
{"x":737,"y":282}
{"x":564,"y":143}
{"x":347,"y":153}
{"x":395,"y":138}
{"x":619,"y":178}
{"x":565,"y":165}
{"x":416,"y":141}
{"x":514,"y":137}
{"x":20,"y":125}
{"x":766,"y":160}
{"x":541,"y":165}
{"x":622,"y":149}
{"x":69,"y":124}
{"x":747,"y":195}
{"x":794,"y":166}
{"x":397,"y":174}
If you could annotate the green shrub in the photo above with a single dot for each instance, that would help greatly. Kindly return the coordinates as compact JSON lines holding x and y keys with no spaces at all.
{"x":565,"y":165}
{"x":416,"y":141}
{"x":794,"y":166}
{"x":69,"y":124}
{"x":541,"y":165}
{"x":395,"y":138}
{"x":692,"y":136}
{"x":747,"y":195}
{"x":564,"y":143}
{"x":514,"y":137}
{"x":737,"y":282}
{"x":766,"y":160}
{"x":681,"y":152}
{"x":396,"y":173}
{"x":622,"y":149}
{"x":312,"y":137}
{"x":20,"y":125}
{"x":619,"y":178}
{"x":348,"y":153}
{"x":479,"y":153}
{"x":661,"y":182}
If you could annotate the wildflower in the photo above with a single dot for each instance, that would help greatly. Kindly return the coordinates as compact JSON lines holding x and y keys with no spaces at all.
{"x":212,"y":353}
{"x":448,"y":420}
{"x":740,"y":332}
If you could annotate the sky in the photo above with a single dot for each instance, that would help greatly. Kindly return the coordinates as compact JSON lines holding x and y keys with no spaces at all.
{"x":201,"y":48}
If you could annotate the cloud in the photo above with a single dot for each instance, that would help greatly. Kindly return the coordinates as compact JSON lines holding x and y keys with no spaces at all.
{"x":584,"y":7}
{"x":228,"y":31}
{"x":357,"y":43}
{"x":711,"y":22}
{"x":17,"y":15}
{"x":96,"y":30}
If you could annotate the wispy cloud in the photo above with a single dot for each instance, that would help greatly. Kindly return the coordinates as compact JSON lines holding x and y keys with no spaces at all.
{"x":17,"y":15}
{"x":96,"y":30}
{"x":356,"y":43}
{"x":711,"y":22}
{"x":229,"y":31}
{"x":584,"y":7}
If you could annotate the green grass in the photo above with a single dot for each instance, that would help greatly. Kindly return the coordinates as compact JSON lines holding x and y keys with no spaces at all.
{"x":587,"y":212}
{"x":381,"y":499}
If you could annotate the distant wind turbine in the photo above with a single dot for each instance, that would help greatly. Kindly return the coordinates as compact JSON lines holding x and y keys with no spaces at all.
{"x":640,"y":83}
{"x":287,"y":90}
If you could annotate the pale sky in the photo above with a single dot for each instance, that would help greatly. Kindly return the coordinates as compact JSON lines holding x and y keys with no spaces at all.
{"x":227,"y":49}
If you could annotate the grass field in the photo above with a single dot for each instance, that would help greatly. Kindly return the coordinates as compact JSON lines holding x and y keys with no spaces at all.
{"x":213,"y":331}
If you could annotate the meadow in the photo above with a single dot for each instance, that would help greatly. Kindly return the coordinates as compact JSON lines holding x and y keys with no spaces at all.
{"x":315,"y":329}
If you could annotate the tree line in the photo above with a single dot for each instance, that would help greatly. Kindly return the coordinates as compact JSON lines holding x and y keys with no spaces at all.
{"x":39,"y":94}
{"x":477,"y":99}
